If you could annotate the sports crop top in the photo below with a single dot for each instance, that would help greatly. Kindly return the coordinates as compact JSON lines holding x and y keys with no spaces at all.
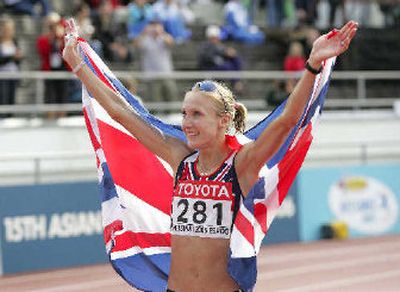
{"x":205,"y":206}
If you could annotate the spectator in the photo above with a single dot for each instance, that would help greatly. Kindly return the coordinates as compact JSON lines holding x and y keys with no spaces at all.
{"x":294,"y":62}
{"x":110,"y":34}
{"x":27,"y":7}
{"x":213,"y":55}
{"x":187,"y":13}
{"x":306,"y":11}
{"x":333,"y":7}
{"x":83,"y":20}
{"x":391,"y":11}
{"x":275,"y":13}
{"x":82,"y":15}
{"x":155,"y":47}
{"x":170,"y":14}
{"x":278,"y":93}
{"x":311,"y":35}
{"x":93,"y":4}
{"x":360,"y":11}
{"x":289,"y":13}
{"x":139,"y":16}
{"x":49,"y":46}
{"x":10,"y":56}
{"x":238,"y":25}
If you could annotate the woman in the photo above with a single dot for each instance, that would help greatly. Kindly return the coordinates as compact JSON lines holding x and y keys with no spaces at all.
{"x":210,"y":174}
{"x":10,"y":57}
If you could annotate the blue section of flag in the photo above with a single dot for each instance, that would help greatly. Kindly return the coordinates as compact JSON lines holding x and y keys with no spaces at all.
{"x":145,"y":272}
{"x":244,"y":270}
{"x":106,"y":185}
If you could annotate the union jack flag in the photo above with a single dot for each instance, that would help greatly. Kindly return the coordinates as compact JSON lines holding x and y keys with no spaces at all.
{"x":136,"y":186}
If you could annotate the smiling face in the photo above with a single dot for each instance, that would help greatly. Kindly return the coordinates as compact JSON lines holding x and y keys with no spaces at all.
{"x":202,"y":123}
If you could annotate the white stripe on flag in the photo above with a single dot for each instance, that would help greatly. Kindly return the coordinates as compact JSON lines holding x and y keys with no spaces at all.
{"x":258,"y":236}
{"x":271,"y":178}
{"x":140,"y":216}
{"x":239,"y":245}
{"x":111,"y":211}
{"x":242,"y":139}
{"x":136,"y":250}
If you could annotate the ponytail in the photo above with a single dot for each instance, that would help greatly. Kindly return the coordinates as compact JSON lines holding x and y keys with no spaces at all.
{"x":239,"y":120}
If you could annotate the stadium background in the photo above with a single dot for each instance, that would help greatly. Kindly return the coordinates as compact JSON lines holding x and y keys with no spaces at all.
{"x":349,"y":186}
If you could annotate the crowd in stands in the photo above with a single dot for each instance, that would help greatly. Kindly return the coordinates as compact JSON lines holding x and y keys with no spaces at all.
{"x":146,"y":31}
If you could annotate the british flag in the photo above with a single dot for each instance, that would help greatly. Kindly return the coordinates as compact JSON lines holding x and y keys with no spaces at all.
{"x":136,"y":186}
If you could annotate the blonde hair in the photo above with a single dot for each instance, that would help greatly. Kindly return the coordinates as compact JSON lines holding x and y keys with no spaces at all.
{"x":225,"y":101}
{"x":4,"y":22}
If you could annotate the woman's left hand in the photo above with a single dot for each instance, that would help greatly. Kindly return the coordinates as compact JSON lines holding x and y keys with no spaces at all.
{"x":70,"y":52}
{"x":332,"y":44}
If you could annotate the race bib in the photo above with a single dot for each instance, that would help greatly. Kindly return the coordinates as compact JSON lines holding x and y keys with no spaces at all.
{"x":202,"y":209}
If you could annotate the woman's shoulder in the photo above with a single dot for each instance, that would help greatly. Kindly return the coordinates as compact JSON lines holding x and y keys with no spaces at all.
{"x":191,"y":157}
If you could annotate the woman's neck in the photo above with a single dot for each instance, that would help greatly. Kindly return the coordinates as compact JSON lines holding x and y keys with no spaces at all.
{"x":6,"y":39}
{"x":212,"y":156}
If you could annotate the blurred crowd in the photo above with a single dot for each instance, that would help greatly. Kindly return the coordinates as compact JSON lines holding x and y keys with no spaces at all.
{"x":146,"y":31}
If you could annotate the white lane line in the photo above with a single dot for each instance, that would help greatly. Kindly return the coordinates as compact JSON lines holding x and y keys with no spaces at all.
{"x":327,"y":252}
{"x":340,"y":264}
{"x":58,"y":274}
{"x":82,"y":286}
{"x":341,"y":283}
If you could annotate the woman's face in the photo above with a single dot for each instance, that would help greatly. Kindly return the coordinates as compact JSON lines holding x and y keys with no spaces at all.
{"x":7,"y":31}
{"x":201,"y":122}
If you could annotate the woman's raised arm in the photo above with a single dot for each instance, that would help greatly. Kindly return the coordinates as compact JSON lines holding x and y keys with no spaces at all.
{"x":254,"y":155}
{"x":170,"y":149}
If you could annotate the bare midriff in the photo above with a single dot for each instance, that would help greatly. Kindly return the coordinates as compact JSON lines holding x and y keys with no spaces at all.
{"x":200,"y":264}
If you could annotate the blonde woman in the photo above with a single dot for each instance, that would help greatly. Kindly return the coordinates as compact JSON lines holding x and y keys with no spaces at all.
{"x":10,"y":57}
{"x":205,"y":166}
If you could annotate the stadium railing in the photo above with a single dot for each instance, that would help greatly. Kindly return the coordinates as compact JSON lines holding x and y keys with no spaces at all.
{"x":359,"y":100}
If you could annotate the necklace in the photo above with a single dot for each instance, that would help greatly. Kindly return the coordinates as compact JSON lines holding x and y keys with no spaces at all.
{"x":206,"y":171}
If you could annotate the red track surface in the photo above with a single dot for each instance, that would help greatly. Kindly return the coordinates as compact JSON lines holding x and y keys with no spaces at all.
{"x":369,"y":264}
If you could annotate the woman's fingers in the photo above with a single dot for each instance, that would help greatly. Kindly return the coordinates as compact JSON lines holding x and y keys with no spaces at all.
{"x":346,"y":33}
{"x":348,"y":30}
{"x":345,"y":30}
{"x":74,"y":28}
{"x":71,"y":37}
{"x":71,"y":30}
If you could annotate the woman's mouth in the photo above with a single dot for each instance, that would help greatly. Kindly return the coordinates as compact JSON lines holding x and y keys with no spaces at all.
{"x":191,"y":134}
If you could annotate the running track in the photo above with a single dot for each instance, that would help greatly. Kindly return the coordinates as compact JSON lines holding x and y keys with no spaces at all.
{"x":369,"y":264}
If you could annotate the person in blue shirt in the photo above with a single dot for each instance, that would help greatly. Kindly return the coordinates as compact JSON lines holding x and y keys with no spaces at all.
{"x":140,"y":13}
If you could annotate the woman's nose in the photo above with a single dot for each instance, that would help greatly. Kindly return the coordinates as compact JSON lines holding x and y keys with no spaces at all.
{"x":186,"y":122}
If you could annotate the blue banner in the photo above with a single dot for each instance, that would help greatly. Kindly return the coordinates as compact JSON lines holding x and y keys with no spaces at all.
{"x":366,"y":198}
{"x":50,"y":226}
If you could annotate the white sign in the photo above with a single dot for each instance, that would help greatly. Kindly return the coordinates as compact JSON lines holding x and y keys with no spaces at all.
{"x":364,"y":203}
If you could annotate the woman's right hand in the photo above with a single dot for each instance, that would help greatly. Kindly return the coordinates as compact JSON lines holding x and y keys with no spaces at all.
{"x":70,"y":52}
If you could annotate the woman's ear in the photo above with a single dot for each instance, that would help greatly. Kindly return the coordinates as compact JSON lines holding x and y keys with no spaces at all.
{"x":225,"y":121}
